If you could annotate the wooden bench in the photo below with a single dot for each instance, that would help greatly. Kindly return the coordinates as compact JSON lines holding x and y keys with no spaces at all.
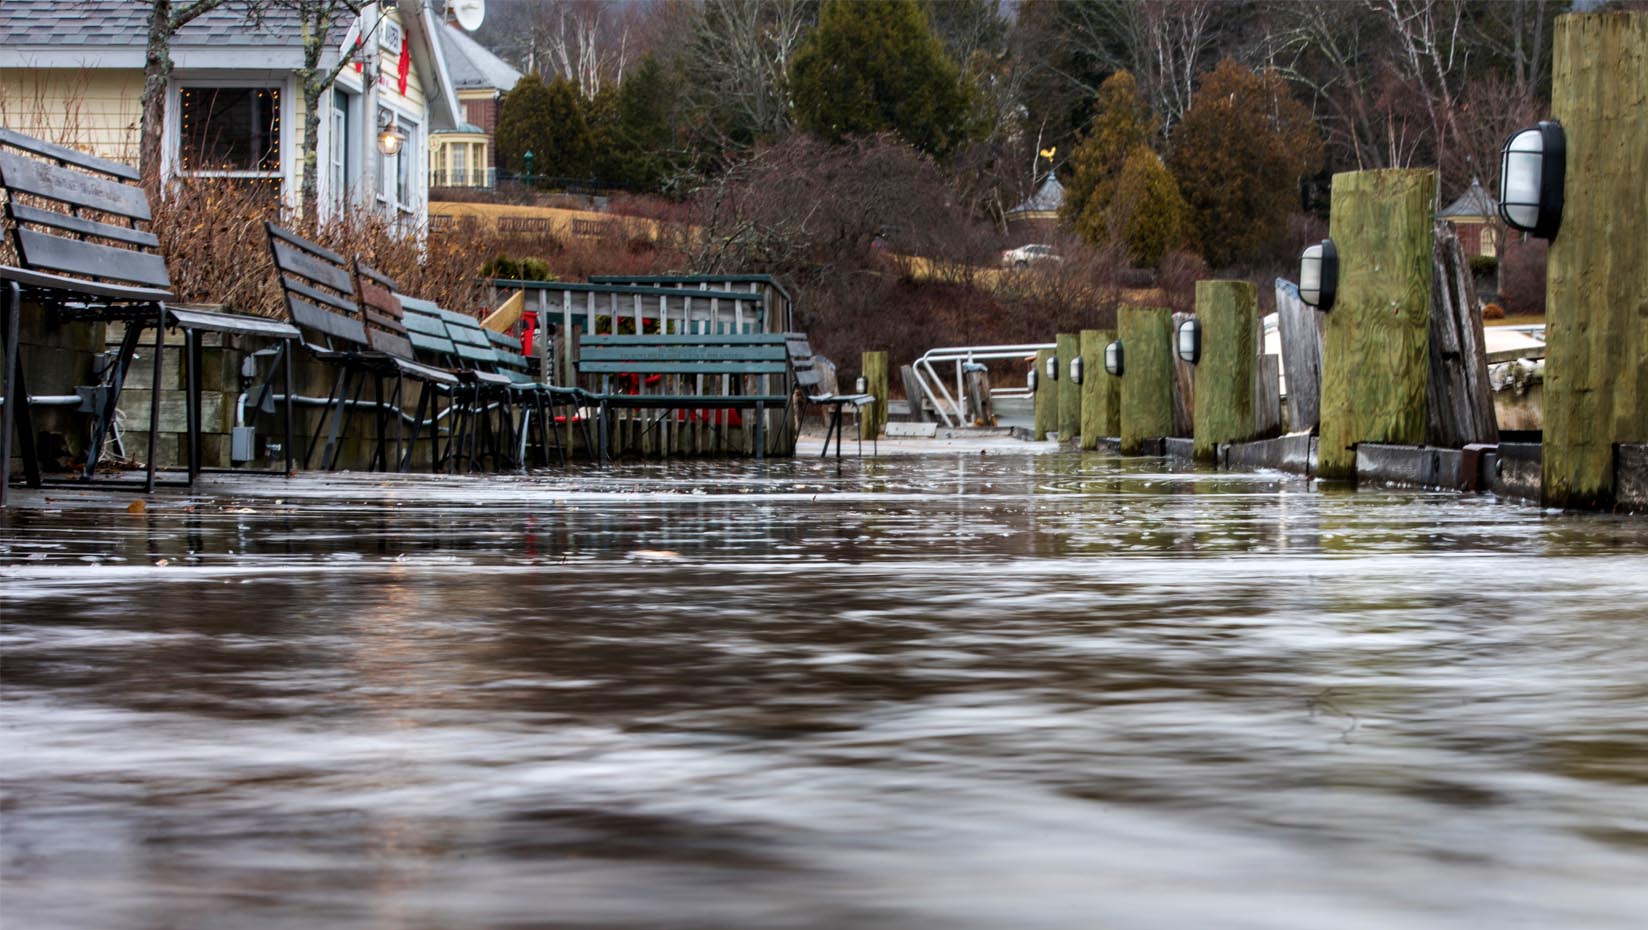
{"x":85,"y":255}
{"x":690,"y":372}
{"x":319,"y":288}
{"x":819,"y":390}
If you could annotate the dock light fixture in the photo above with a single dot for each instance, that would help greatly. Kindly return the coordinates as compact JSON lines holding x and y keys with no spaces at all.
{"x":1052,"y":367}
{"x":1190,"y":340}
{"x":1076,"y":370}
{"x":1032,"y":380}
{"x":1531,"y":170}
{"x":1113,"y":358}
{"x":390,"y":138}
{"x":862,"y":385}
{"x":1319,"y":275}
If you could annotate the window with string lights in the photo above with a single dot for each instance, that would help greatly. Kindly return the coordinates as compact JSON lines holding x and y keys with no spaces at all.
{"x":230,"y":132}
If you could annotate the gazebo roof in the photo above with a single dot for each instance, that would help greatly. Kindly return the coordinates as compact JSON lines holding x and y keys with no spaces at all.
{"x":1475,"y":202}
{"x":1047,"y":199}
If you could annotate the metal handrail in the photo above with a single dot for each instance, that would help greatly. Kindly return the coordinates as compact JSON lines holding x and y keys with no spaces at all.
{"x":949,"y":407}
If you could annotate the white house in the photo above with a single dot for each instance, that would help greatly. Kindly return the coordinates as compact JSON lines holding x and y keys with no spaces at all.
{"x":72,"y":71}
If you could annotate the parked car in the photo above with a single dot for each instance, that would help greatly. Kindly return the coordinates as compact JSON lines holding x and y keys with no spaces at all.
{"x":1028,"y":255}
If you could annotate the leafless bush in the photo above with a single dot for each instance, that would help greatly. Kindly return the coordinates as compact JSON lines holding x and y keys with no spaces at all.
{"x":1176,"y":279}
{"x":1522,"y":275}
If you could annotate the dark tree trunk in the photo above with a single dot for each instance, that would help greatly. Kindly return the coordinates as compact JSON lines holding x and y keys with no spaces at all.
{"x":157,"y":71}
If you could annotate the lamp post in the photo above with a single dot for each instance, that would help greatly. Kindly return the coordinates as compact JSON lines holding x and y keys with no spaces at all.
{"x":1319,"y":275}
{"x":1190,"y":340}
{"x":527,"y":158}
{"x":1532,"y":167}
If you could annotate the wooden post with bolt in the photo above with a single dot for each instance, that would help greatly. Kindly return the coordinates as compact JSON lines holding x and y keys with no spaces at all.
{"x":1147,"y":376}
{"x":1228,"y":311}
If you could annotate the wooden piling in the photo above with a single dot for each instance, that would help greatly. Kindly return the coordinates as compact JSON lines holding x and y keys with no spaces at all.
{"x":1377,"y":339}
{"x":873,"y":418}
{"x":1596,"y":295}
{"x":1069,"y":419}
{"x":1101,"y":397}
{"x":1147,"y":376}
{"x":1046,"y":417}
{"x":1229,"y":312}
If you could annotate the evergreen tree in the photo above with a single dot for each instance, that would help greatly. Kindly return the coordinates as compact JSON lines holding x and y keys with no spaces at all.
{"x":876,"y":66}
{"x":1238,"y":155}
{"x":1122,"y":122}
{"x":1147,"y":214}
{"x":548,"y":121}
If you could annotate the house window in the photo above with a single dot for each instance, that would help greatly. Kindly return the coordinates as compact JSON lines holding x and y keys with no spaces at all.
{"x":229,"y":131}
{"x":396,"y":181}
{"x":459,"y":175}
{"x":339,"y":161}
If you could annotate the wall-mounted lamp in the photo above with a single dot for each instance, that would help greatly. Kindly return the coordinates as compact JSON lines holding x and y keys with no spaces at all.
{"x":1531,"y":170}
{"x":1113,"y":358}
{"x":1190,"y":340}
{"x":862,"y":385}
{"x":1319,"y":275}
{"x":390,"y":138}
{"x":1076,"y":370}
{"x":1033,"y":379}
{"x":1052,"y":366}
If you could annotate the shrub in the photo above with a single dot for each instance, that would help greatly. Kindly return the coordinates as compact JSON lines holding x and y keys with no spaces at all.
{"x":1493,"y":311}
{"x":1484,"y":264}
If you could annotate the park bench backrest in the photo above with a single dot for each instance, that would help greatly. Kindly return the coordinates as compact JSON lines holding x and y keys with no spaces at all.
{"x":469,"y":343}
{"x":79,"y":216}
{"x":381,"y":309}
{"x":319,"y":293}
{"x":426,"y":330}
{"x":807,"y":374}
{"x":751,"y":354}
{"x":510,"y":359}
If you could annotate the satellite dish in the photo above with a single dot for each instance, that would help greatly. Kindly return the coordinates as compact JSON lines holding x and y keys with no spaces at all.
{"x":469,"y":13}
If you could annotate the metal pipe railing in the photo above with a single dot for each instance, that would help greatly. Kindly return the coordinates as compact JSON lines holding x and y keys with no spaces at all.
{"x":952,"y":408}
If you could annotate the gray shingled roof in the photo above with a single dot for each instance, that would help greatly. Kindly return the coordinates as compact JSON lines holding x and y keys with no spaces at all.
{"x":1474,"y":202}
{"x":471,"y":65}
{"x":119,"y":23}
{"x":1046,"y":199}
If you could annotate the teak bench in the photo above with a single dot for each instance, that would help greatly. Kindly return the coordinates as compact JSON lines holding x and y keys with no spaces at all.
{"x":693,"y":372}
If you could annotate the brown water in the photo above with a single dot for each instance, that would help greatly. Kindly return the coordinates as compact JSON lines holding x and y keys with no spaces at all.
{"x":964,"y":691}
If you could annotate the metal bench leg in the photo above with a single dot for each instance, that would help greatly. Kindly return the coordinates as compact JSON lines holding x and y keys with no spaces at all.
{"x":340,"y":416}
{"x":286,"y":382}
{"x":760,"y":433}
{"x":191,"y":401}
{"x":154,"y":398}
{"x":104,"y":410}
{"x":11,"y":310}
{"x":417,"y":427}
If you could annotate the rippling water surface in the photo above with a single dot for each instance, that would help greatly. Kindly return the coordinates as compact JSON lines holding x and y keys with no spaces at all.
{"x":957,"y":691}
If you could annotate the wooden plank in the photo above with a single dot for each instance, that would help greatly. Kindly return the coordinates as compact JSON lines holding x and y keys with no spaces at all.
{"x":23,"y":213}
{"x":1067,"y":346}
{"x":1457,"y":392}
{"x":912,"y":391}
{"x":375,"y":276}
{"x":1101,"y":397}
{"x":1229,"y":312}
{"x":508,"y":313}
{"x":1596,"y":381}
{"x":313,"y":248}
{"x":1184,"y":385}
{"x":642,"y":354}
{"x":1044,"y":417}
{"x":341,"y":304}
{"x":20,"y":174}
{"x":78,"y":257}
{"x":308,"y":316}
{"x":304,"y":265}
{"x":872,"y":422}
{"x":1147,"y":376}
{"x":1267,"y":397}
{"x":390,"y":343}
{"x":1300,"y":327}
{"x":63,"y":153}
{"x":1376,"y":346}
{"x":589,"y":366}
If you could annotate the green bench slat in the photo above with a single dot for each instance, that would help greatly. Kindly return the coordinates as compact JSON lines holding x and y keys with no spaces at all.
{"x":694,"y":400}
{"x":731,"y":339}
{"x":645,"y":354}
{"x":684,"y":368}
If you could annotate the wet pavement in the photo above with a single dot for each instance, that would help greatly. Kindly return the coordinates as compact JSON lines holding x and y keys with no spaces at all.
{"x":959,"y":690}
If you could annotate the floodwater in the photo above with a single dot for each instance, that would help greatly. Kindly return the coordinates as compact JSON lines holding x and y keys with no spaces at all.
{"x":937,"y":691}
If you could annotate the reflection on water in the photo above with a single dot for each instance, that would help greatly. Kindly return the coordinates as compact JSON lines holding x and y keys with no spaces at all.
{"x":947,"y":691}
